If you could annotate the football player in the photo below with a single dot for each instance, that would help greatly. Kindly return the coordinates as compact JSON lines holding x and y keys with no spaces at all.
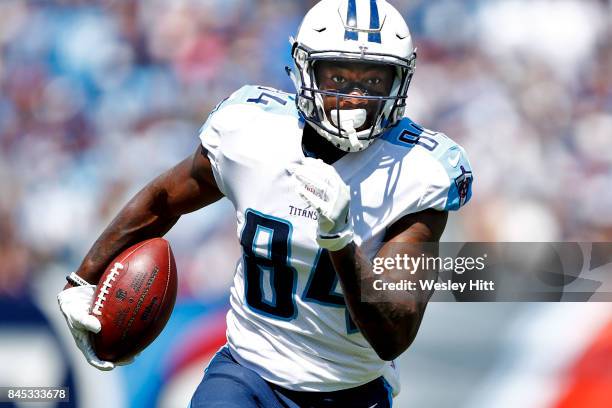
{"x":322,"y":180}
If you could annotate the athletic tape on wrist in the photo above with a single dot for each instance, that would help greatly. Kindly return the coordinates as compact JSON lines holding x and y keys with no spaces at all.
{"x":76,"y":280}
{"x":337,"y":241}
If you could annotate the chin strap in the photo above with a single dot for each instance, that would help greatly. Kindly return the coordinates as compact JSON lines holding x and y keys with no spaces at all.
{"x":350,"y":119}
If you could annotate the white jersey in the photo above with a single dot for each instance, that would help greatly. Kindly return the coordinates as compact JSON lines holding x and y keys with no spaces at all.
{"x":288,"y":320}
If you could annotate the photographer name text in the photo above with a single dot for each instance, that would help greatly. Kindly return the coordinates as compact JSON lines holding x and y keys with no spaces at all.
{"x":428,"y":285}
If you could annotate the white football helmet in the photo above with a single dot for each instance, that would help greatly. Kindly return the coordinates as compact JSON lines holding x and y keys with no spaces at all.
{"x":370,"y":31}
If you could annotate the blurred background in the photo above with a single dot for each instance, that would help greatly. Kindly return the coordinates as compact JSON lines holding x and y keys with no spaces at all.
{"x":98,"y":97}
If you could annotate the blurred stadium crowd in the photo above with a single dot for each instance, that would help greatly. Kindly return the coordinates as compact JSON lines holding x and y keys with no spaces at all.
{"x":96,"y":98}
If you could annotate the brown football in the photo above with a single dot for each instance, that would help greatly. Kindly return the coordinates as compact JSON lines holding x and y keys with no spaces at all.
{"x":134,"y":299}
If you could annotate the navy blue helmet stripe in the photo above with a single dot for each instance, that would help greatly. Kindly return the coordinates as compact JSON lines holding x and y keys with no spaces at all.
{"x":374,"y":22}
{"x":351,"y":21}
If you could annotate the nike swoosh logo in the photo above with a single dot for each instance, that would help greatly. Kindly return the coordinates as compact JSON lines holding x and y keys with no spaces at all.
{"x":373,"y":406}
{"x":454,"y":161}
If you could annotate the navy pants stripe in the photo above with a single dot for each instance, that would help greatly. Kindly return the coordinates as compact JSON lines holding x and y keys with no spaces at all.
{"x":227,"y":384}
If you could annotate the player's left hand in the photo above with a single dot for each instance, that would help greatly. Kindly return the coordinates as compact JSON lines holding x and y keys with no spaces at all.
{"x":320,"y":185}
{"x":74,"y":304}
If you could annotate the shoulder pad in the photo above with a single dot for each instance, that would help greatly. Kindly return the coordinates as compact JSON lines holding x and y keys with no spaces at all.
{"x":456,"y":190}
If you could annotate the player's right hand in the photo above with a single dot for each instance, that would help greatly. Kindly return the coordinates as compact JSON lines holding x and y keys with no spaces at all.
{"x":320,"y":185}
{"x":75,"y":304}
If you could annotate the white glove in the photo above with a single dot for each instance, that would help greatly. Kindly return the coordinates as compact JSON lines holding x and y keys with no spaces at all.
{"x":75,"y":304}
{"x":321,"y":186}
